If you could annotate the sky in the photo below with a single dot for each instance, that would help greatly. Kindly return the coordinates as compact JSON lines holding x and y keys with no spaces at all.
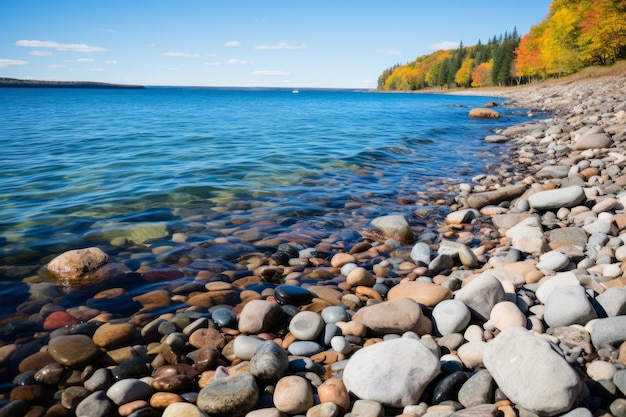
{"x":242,"y":43}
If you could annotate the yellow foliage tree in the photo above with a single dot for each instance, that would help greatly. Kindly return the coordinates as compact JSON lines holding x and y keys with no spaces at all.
{"x":463,"y":76}
{"x":603,"y":31}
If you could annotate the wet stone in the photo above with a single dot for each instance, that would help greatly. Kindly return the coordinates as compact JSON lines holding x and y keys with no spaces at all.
{"x":291,"y":294}
{"x":224,"y":317}
{"x":304,"y":348}
{"x":270,"y":362}
{"x":306,"y":325}
{"x":95,"y":405}
{"x":448,"y":387}
{"x":127,"y":390}
{"x":133,"y":368}
{"x":73,"y":350}
{"x":232,"y":395}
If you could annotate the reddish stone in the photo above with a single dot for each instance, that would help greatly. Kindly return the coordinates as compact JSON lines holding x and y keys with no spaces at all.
{"x":161,"y":274}
{"x":59,"y":319}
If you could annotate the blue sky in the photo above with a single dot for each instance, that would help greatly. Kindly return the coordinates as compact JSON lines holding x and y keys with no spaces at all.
{"x":295,"y":44}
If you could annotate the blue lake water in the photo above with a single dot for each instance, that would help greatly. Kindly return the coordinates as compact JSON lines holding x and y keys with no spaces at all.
{"x":73,"y":161}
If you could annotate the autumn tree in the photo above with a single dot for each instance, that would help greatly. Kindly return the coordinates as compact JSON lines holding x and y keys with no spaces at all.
{"x":463,"y":76}
{"x":481,"y":76}
{"x":602,"y":27}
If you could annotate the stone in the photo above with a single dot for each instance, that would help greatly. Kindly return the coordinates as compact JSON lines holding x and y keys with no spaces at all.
{"x":270,"y":362}
{"x":304,"y":348}
{"x":367,"y":408}
{"x":333,"y":314}
{"x":531,"y":373}
{"x":593,"y":140}
{"x":130,"y":389}
{"x":335,"y":391}
{"x":360,"y":276}
{"x":59,"y":319}
{"x":553,"y":261}
{"x":111,"y":335}
{"x":293,"y":395}
{"x":447,"y":388}
{"x":600,"y":370}
{"x":461,"y":216}
{"x":483,"y":113}
{"x":425,"y":293}
{"x":421,"y":253}
{"x":506,"y":314}
{"x":395,"y":227}
{"x":323,"y":410}
{"x":619,"y":379}
{"x":610,"y":331}
{"x":450,"y":316}
{"x":73,"y":351}
{"x":292,"y":295}
{"x":478,"y":389}
{"x":79,"y":267}
{"x":496,"y":139}
{"x":472,"y":353}
{"x":94,"y":405}
{"x":481,"y":294}
{"x":548,"y":285}
{"x":558,"y":198}
{"x":482,"y":410}
{"x":306,"y":325}
{"x":441,"y":263}
{"x":568,"y":235}
{"x":259,"y":316}
{"x":613,"y":301}
{"x":183,"y":410}
{"x":394,"y":316}
{"x":618,"y":407}
{"x":245,"y":347}
{"x":393,"y":373}
{"x":507,"y":193}
{"x":233,"y":395}
{"x":568,"y":305}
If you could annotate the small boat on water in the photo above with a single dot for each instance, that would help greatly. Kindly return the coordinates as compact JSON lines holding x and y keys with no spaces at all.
{"x":295,"y":91}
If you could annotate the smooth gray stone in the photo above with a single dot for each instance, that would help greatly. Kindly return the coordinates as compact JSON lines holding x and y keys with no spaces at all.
{"x":393,"y":372}
{"x":613,"y":301}
{"x":232,"y":395}
{"x":304,"y":348}
{"x":568,"y":305}
{"x":611,"y":330}
{"x":95,"y":405}
{"x":421,"y":253}
{"x":555,"y":199}
{"x":531,"y":373}
{"x":451,"y":316}
{"x":619,"y":379}
{"x":478,"y":389}
{"x":244,"y":347}
{"x":128,"y":390}
{"x":508,"y":193}
{"x":270,"y":362}
{"x":481,"y":294}
{"x":306,"y":325}
{"x":333,"y":314}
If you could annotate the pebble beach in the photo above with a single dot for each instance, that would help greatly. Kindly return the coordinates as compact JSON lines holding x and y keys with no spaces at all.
{"x":511,"y":303}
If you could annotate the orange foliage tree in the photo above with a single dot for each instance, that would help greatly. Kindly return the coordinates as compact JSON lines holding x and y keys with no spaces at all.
{"x":481,"y":76}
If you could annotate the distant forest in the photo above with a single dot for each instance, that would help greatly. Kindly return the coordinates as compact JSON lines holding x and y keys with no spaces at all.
{"x":574,"y":35}
{"x":17,"y":83}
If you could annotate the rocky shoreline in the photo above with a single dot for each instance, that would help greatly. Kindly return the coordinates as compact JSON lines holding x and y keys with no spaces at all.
{"x":514,"y":304}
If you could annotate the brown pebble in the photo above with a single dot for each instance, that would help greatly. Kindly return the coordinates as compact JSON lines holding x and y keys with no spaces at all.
{"x":36,"y":361}
{"x":114,"y":334}
{"x":212,"y":298}
{"x":154,"y":299}
{"x":163,"y":399}
{"x":129,"y":408}
{"x":204,"y":337}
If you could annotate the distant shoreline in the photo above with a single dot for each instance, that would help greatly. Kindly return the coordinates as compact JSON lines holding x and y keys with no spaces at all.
{"x":18,"y":83}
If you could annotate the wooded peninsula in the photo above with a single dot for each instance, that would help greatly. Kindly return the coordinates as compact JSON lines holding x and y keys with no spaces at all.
{"x":17,"y":83}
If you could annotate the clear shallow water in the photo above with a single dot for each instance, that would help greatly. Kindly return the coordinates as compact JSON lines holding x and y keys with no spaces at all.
{"x":73,"y":162}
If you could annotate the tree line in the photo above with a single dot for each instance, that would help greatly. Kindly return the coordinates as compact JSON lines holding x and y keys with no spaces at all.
{"x":575,"y":34}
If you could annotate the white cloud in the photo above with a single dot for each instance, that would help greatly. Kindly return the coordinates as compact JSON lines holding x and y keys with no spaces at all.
{"x":235,"y":61}
{"x":445,"y":45}
{"x":41,"y":53}
{"x":111,"y":62}
{"x":232,"y":44}
{"x":281,"y":45}
{"x":85,"y":60}
{"x":270,"y":73}
{"x":388,"y":52}
{"x":74,"y":47}
{"x":5,"y":63}
{"x":97,"y":69}
{"x":181,"y":54}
